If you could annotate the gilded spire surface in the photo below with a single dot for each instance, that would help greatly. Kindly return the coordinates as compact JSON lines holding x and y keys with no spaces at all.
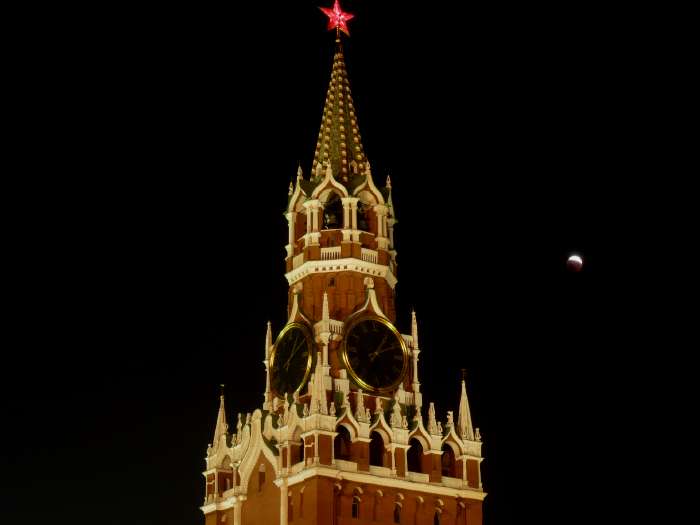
{"x":339,"y":145}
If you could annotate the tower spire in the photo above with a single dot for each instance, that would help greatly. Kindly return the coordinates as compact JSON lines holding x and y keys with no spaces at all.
{"x":221,"y":425}
{"x":464,"y":421}
{"x":339,"y":144}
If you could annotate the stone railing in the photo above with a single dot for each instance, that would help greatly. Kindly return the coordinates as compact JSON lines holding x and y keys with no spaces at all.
{"x":384,"y":472}
{"x":370,"y":255}
{"x":453,"y":483}
{"x":347,"y":466}
{"x":331,"y":253}
{"x":298,"y":260}
{"x":418,"y":477}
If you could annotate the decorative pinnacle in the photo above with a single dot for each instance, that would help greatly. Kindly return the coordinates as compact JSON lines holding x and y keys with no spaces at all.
{"x":268,"y":340}
{"x":291,"y":188}
{"x":464,"y":423}
{"x":337,"y":18}
{"x":414,"y":329}
{"x":300,"y":173}
{"x":326,"y":313}
{"x":388,"y":181}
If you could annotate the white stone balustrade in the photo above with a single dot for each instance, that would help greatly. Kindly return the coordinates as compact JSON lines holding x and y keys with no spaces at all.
{"x":370,"y":255}
{"x":328,"y":254}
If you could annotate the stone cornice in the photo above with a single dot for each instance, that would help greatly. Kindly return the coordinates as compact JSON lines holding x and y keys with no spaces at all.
{"x":348,"y":264}
{"x":396,"y":483}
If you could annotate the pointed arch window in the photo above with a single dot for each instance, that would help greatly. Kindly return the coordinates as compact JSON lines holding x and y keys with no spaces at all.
{"x":397,"y":512}
{"x":436,"y":517}
{"x":356,"y":507}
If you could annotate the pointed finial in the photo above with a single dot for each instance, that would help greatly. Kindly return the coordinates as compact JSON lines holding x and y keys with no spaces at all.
{"x":414,"y":329}
{"x":222,"y":389}
{"x":464,"y":422}
{"x":388,"y":181}
{"x":464,"y":373}
{"x":291,"y":189}
{"x":268,"y":340}
{"x":432,"y":421}
{"x":221,"y":425}
{"x":325,"y":312}
{"x":300,"y":173}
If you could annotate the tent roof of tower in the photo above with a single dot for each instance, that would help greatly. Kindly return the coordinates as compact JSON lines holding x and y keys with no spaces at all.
{"x":339,"y":137}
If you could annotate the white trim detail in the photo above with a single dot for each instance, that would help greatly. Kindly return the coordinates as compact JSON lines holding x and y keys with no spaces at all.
{"x":340,"y":265}
{"x":397,"y":483}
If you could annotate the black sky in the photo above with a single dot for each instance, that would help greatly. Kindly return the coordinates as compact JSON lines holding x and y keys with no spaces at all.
{"x":148,"y":251}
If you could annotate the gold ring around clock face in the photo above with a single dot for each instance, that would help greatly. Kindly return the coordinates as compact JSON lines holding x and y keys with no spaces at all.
{"x":374,"y":354}
{"x":290,"y":362}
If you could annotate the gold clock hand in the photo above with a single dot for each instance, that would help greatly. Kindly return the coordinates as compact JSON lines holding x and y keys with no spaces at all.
{"x":294,"y":351}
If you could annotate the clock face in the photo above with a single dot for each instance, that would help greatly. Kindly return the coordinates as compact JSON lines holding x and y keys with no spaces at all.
{"x":375,"y":354}
{"x":290,"y":363}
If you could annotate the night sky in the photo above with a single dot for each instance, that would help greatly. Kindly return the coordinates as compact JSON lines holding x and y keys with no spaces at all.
{"x":149,"y":251}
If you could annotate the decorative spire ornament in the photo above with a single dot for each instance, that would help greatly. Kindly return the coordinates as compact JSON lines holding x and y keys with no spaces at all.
{"x":221,"y":425}
{"x":360,"y":412}
{"x":464,"y":419}
{"x":432,"y":423}
{"x":337,"y":18}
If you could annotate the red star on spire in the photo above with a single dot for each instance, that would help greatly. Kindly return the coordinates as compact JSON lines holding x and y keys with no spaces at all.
{"x":337,"y":18}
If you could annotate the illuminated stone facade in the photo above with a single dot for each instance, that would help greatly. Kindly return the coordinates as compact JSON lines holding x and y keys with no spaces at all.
{"x":331,"y":453}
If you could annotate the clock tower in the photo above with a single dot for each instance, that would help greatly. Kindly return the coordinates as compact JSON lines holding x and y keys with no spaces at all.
{"x":343,"y":436}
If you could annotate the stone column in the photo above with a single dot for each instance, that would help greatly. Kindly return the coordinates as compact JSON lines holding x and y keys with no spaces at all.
{"x":284,"y":497}
{"x":237,"y":508}
{"x":291,"y":219}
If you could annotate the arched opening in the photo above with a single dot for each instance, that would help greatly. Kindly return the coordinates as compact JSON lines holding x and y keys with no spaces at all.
{"x":436,"y":517}
{"x":299,"y":226}
{"x":342,"y":444}
{"x":363,"y":219}
{"x":333,"y":213}
{"x":261,"y":477}
{"x":448,"y":461}
{"x":296,"y":451}
{"x":397,"y":512}
{"x":376,"y":450}
{"x":356,"y":506}
{"x":415,"y":456}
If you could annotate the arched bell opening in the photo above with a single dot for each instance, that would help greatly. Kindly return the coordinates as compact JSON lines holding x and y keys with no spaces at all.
{"x":342,"y":444}
{"x":448,"y":461}
{"x":296,"y":450}
{"x":377,"y":450}
{"x":415,"y":456}
{"x":333,"y":213}
{"x":364,"y":216}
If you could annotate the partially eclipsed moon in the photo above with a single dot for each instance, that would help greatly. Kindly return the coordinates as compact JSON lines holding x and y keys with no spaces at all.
{"x":574,"y":263}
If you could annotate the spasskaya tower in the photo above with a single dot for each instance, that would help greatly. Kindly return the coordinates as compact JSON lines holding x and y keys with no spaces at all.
{"x":342,"y":436}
